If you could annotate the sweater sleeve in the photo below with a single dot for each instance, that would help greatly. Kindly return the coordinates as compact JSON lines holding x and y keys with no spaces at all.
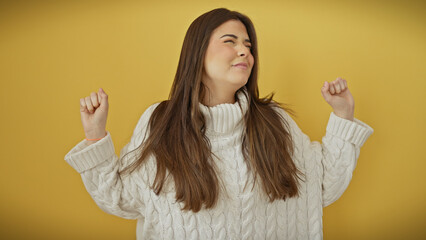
{"x":98,"y":166}
{"x":336,"y":156}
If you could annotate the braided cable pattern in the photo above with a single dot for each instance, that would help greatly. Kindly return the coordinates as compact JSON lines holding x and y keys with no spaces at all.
{"x":204,"y":218}
{"x":301,"y":213}
{"x":281,"y":219}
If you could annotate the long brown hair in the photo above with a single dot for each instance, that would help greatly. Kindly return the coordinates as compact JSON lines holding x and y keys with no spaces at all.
{"x":177,"y":128}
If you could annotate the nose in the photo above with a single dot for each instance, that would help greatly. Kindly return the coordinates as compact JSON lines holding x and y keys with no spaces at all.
{"x":243,"y":51}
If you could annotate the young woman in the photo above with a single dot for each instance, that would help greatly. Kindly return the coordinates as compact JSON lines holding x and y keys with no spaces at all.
{"x":216,"y":161}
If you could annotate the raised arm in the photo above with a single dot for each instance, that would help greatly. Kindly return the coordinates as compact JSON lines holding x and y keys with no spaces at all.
{"x":337,"y":155}
{"x":98,"y":166}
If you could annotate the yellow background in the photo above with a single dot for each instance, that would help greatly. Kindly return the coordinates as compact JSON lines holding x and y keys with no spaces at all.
{"x":53,"y":54}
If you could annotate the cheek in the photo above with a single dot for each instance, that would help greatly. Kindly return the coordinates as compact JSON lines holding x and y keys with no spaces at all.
{"x":225,"y":53}
{"x":223,"y":57}
{"x":251,"y":59}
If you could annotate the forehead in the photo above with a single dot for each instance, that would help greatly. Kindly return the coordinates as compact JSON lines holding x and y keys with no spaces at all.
{"x":231,"y":27}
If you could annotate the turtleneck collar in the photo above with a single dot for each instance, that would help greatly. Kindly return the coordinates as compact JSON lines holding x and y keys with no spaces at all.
{"x":226,"y":117}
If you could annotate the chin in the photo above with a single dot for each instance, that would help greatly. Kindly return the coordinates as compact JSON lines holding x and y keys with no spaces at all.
{"x":239,"y":82}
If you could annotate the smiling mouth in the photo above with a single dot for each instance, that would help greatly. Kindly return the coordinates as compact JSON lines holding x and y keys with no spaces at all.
{"x":240,"y":66}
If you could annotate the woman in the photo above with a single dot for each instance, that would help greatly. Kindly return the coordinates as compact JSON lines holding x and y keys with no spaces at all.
{"x":215,"y":161}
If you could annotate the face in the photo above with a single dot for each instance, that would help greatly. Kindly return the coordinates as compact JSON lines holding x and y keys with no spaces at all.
{"x":229,"y":45}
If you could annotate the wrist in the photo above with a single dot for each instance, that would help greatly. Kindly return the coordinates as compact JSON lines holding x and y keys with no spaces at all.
{"x":96,"y":135}
{"x":347,"y":116}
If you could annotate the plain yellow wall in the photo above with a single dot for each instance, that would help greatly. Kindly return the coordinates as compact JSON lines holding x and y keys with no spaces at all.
{"x":53,"y":54}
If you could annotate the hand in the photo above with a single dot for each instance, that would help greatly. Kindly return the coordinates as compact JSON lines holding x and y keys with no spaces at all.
{"x":94,"y":112}
{"x":338,"y":96}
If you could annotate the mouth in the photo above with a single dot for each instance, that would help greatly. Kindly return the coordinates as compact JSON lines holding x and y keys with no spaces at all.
{"x":241,"y":65}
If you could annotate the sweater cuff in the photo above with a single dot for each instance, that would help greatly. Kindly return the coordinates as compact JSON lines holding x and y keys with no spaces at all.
{"x":83,"y":157}
{"x":355,"y":131}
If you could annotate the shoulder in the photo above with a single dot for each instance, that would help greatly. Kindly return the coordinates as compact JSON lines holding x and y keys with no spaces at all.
{"x":152,"y":107}
{"x":142,"y":124}
{"x":146,"y":115}
{"x":286,"y":118}
{"x":283,"y":113}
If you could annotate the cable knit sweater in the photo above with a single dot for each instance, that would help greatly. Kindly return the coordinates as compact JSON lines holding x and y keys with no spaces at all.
{"x":238,"y":214}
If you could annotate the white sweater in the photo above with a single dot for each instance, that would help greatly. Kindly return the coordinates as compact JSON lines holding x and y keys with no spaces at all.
{"x":239,"y":214}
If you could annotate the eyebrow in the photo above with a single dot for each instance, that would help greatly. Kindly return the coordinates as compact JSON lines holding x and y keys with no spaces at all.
{"x":233,"y":36}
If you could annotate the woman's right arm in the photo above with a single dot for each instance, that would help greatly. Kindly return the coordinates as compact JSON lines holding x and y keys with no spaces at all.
{"x":98,"y":165}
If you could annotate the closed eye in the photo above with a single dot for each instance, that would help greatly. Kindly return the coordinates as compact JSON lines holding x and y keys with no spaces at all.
{"x":233,"y":42}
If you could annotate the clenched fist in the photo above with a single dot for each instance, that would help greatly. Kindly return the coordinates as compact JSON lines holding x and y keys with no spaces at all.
{"x":94,"y":113}
{"x":338,"y":96}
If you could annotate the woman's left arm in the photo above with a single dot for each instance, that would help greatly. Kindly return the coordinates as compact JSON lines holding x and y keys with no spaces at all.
{"x":337,"y":155}
{"x":344,"y":137}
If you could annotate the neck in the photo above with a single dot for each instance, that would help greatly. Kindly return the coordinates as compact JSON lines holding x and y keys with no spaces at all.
{"x":225,"y":118}
{"x":211,"y":98}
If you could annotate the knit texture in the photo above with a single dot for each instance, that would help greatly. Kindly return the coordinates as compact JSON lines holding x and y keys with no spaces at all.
{"x":239,"y":214}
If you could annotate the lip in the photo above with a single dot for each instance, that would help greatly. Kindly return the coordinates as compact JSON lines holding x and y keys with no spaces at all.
{"x":241,"y":65}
